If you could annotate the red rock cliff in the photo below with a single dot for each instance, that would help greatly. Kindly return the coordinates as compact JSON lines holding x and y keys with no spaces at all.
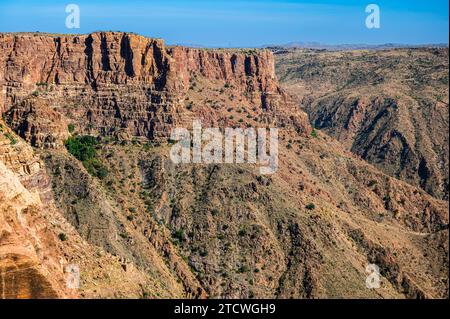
{"x":120,"y":82}
{"x":104,"y":58}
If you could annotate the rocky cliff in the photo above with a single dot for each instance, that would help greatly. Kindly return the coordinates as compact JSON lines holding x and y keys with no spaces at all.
{"x":105,"y":58}
{"x":29,"y":252}
{"x":148,"y":228}
{"x":39,"y":245}
{"x":118,"y":83}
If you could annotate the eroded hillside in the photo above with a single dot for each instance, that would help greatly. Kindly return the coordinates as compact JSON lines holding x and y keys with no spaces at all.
{"x":390,"y":107}
{"x":198,"y":230}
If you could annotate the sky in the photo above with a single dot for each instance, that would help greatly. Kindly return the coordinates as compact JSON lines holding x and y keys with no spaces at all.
{"x":240,"y":23}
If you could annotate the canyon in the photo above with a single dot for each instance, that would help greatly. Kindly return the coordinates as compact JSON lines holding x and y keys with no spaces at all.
{"x":390,"y":107}
{"x":149,"y":228}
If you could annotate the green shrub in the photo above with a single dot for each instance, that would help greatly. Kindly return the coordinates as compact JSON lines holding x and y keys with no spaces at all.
{"x":62,"y":237}
{"x":171,"y":141}
{"x":310,"y":206}
{"x":11,"y":138}
{"x":179,"y":234}
{"x":243,"y":269}
{"x":71,"y":128}
{"x":242,"y":232}
{"x":314,"y":133}
{"x":372,"y":183}
{"x":96,"y":168}
{"x":83,"y":149}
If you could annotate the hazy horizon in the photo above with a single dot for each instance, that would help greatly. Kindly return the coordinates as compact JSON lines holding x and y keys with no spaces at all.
{"x":240,"y":23}
{"x":293,"y":44}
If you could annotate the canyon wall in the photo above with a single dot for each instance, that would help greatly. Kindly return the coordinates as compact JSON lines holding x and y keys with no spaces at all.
{"x":103,"y":58}
{"x":148,"y":228}
{"x":29,"y":249}
{"x":104,"y":84}
{"x":119,"y":84}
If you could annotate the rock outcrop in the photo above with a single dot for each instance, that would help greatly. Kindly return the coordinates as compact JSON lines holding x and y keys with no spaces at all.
{"x":39,"y":246}
{"x":28,"y":248}
{"x":148,"y":228}
{"x":120,"y":84}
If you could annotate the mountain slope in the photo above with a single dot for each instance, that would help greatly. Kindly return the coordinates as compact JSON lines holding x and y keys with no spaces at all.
{"x":389,"y":107}
{"x":211,"y":230}
{"x":38,"y":244}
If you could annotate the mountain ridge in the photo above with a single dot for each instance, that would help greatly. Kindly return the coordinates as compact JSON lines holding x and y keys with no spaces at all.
{"x":205,"y":230}
{"x":389,"y":107}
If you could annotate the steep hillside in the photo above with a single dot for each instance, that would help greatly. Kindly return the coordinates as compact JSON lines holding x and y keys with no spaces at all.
{"x":38,"y":245}
{"x":209,"y":230}
{"x":389,"y":107}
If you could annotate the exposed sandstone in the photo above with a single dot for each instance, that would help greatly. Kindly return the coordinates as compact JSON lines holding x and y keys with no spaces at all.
{"x":154,"y":229}
{"x":24,"y":240}
{"x":121,"y":84}
{"x":37,"y":243}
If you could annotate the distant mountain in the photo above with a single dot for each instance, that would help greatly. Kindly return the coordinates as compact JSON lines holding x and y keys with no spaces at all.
{"x":189,"y":45}
{"x":319,"y":46}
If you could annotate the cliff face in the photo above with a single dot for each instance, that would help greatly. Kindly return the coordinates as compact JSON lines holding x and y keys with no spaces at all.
{"x":28,"y":248}
{"x":114,"y":82}
{"x":104,"y":58}
{"x":128,"y":87}
{"x":20,"y":272}
{"x":149,"y":228}
{"x":38,"y":243}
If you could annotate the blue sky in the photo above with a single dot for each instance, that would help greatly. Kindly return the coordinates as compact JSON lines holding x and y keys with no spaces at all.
{"x":240,"y":23}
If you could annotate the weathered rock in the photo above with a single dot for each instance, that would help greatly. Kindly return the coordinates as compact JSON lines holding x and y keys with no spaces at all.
{"x":122,"y":84}
{"x":198,"y":230}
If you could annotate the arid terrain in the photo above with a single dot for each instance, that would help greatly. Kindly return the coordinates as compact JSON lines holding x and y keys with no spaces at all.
{"x":86,"y":178}
{"x":389,"y":107}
